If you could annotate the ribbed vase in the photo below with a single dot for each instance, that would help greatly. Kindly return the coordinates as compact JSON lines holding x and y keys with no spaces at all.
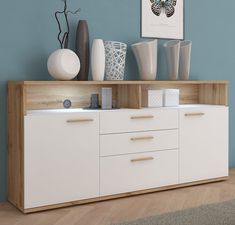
{"x":185,"y":59}
{"x":146,"y":57}
{"x":83,"y":49}
{"x":172,"y":49}
{"x":98,"y":59}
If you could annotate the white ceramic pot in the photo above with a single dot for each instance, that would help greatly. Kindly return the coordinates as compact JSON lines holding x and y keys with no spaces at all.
{"x":98,"y":59}
{"x":63,"y":64}
{"x":172,"y":49}
{"x":146,"y":57}
{"x":185,"y":59}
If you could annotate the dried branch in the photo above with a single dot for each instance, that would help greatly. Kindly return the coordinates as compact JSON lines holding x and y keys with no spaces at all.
{"x":65,"y":12}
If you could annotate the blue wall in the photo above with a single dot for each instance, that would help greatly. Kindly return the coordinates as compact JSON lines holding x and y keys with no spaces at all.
{"x":28,"y":36}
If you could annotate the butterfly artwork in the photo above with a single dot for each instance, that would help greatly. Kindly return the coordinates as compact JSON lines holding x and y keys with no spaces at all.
{"x":159,"y":7}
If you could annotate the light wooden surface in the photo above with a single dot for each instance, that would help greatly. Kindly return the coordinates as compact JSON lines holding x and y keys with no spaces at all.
{"x":125,"y":209}
{"x":122,"y":82}
{"x":126,"y":94}
{"x":15,"y":145}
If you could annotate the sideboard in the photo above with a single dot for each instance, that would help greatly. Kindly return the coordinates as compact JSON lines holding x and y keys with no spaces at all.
{"x":62,"y":157}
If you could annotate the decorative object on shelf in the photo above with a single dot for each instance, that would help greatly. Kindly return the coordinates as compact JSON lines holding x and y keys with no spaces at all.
{"x":65,"y":38}
{"x":94,"y":101}
{"x":83,"y":49}
{"x":63,"y":64}
{"x":185,"y":59}
{"x":171,"y":97}
{"x":106,"y":96}
{"x":163,"y":19}
{"x":172,"y":49}
{"x":115,"y":60}
{"x":98,"y":60}
{"x":153,"y":98}
{"x":146,"y":57}
{"x":67,"y":104}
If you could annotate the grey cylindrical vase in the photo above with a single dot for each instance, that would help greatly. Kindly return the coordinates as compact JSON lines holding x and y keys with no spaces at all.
{"x":83,"y":49}
{"x":146,"y":57}
{"x":172,"y":49}
{"x":185,"y":59}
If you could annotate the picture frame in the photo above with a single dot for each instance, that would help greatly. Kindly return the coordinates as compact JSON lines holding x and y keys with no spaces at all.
{"x":162,"y":23}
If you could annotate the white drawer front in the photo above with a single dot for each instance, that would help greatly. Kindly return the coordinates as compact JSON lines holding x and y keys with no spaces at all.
{"x":138,"y":120}
{"x":127,"y":173}
{"x":118,"y":144}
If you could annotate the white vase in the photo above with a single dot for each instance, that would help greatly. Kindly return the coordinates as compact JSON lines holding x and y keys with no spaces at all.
{"x":98,"y":60}
{"x":146,"y":57}
{"x":172,"y":49}
{"x":63,"y":64}
{"x":185,"y":59}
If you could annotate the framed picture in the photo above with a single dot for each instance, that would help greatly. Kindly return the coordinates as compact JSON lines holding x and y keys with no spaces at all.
{"x":162,"y":19}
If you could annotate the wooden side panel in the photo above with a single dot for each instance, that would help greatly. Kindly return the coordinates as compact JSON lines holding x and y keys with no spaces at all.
{"x":15,"y":145}
{"x":129,"y":96}
{"x":215,"y":94}
{"x":53,"y":96}
{"x":189,"y":94}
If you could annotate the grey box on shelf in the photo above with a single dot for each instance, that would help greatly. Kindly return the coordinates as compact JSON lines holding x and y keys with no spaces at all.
{"x":106,"y":97}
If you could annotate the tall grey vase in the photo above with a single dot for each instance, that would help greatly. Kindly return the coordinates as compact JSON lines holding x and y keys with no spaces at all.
{"x":172,"y":49}
{"x":185,"y":59}
{"x":146,"y":57}
{"x":83,"y":49}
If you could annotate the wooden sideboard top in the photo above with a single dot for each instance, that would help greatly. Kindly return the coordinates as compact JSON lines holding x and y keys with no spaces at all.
{"x":156,"y":82}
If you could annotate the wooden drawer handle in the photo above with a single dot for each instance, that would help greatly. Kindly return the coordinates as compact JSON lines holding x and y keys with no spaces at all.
{"x":79,"y":120}
{"x":141,"y":117}
{"x":142,"y":159}
{"x":194,"y":114}
{"x":142,"y":138}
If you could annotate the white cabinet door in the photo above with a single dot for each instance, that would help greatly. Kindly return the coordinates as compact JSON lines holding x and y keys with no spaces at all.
{"x":61,"y":158}
{"x":203,"y":143}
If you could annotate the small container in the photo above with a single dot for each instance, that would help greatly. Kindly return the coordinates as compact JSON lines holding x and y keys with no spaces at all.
{"x":171,"y":97}
{"x":106,"y":97}
{"x":153,"y":98}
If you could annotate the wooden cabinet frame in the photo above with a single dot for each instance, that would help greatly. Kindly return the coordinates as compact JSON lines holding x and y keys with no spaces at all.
{"x":34,"y":95}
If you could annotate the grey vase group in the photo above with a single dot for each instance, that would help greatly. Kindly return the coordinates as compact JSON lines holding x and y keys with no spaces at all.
{"x":178,"y":57}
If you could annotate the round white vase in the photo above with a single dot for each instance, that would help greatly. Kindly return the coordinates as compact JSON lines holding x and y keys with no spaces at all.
{"x":63,"y":64}
{"x":98,"y":59}
{"x":146,"y":57}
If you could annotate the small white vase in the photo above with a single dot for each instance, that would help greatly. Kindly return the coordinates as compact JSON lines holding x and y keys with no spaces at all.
{"x":63,"y":64}
{"x":185,"y":59}
{"x":172,"y":49}
{"x":98,"y":60}
{"x":146,"y":57}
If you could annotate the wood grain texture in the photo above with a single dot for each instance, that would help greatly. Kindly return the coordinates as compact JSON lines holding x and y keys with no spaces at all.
{"x":52,"y":96}
{"x":125,"y":209}
{"x":15,"y":144}
{"x":188,"y":93}
{"x":157,"y":82}
{"x":215,"y":94}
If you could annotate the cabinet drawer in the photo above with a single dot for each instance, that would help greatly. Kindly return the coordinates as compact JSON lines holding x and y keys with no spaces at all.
{"x":127,"y":173}
{"x":118,"y":144}
{"x":138,"y":120}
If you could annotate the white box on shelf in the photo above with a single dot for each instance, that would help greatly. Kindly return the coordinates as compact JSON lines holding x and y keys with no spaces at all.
{"x":171,"y":97}
{"x":153,"y":98}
